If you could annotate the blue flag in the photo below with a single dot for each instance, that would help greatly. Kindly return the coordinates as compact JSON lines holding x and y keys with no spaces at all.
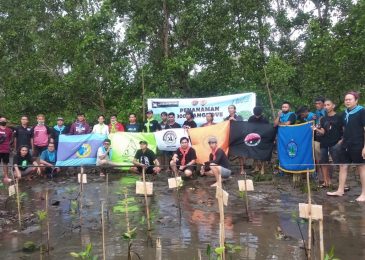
{"x":295,"y":148}
{"x":77,"y":150}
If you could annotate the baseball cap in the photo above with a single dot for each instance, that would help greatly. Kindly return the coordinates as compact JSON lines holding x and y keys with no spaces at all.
{"x":149,"y":111}
{"x":212,"y":139}
{"x":142,"y":142}
{"x":60,"y":118}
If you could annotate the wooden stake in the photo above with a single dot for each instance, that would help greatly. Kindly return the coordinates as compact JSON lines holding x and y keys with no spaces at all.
{"x":221,"y":217}
{"x":18,"y":202}
{"x":321,"y":243}
{"x":246,"y":198}
{"x":146,"y":199}
{"x":199,"y":254}
{"x":82,"y":179}
{"x":269,"y":93}
{"x":158,"y":249}
{"x":102,"y":228}
{"x":48,"y":233}
{"x":107,"y":195}
{"x":309,"y":218}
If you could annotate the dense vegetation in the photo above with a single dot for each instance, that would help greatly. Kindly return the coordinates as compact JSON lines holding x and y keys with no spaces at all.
{"x":62,"y":56}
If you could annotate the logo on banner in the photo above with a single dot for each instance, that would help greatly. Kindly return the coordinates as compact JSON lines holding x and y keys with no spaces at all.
{"x":84,"y":151}
{"x":292,"y":149}
{"x":169,"y":137}
{"x":252,"y":139}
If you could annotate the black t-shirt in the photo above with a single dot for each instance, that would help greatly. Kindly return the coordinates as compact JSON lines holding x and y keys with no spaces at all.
{"x":260,"y":120}
{"x":190,"y":124}
{"x":220,"y":158}
{"x":353,"y":135}
{"x":332,"y":126}
{"x":237,"y":117}
{"x":57,"y":132}
{"x":154,"y":126}
{"x":191,"y":155}
{"x":147,"y":158}
{"x":23,"y":136}
{"x":174,"y":125}
{"x":23,"y":162}
{"x":133,"y":128}
{"x":163,"y":125}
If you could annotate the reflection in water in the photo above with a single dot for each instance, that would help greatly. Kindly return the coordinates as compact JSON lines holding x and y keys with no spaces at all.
{"x":199,"y":224}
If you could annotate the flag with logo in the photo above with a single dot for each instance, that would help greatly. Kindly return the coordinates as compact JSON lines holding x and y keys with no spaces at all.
{"x":78,"y":150}
{"x":295,"y":148}
{"x":125,"y":146}
{"x":169,"y":139}
{"x":199,"y":138}
{"x":251,"y":140}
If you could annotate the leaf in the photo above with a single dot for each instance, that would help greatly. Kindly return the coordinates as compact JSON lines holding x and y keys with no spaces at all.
{"x":219,"y":250}
{"x":75,"y":255}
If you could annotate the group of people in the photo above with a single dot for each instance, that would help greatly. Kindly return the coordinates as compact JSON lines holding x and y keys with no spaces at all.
{"x":337,"y":137}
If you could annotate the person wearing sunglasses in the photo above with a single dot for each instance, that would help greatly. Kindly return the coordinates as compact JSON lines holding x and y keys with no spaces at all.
{"x":104,"y":156}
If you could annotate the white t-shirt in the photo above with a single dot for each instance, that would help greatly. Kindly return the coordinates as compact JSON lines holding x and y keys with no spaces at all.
{"x":101,"y":152}
{"x":101,"y":129}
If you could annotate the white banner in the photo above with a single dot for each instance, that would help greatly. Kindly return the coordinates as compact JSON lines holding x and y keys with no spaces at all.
{"x":169,"y":140}
{"x":244,"y":103}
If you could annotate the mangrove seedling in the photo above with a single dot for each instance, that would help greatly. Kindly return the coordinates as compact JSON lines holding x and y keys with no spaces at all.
{"x":86,"y":254}
{"x":331,"y":254}
{"x":42,"y":216}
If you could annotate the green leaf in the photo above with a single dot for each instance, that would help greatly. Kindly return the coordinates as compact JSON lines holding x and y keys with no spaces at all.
{"x":219,"y":250}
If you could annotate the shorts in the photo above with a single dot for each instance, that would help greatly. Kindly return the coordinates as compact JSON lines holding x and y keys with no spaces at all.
{"x":317,"y":150}
{"x":190,"y":168}
{"x":38,"y":150}
{"x":333,"y":151}
{"x":225,"y":173}
{"x":27,"y":171}
{"x":149,"y":170}
{"x":350,"y":155}
{"x":4,"y":157}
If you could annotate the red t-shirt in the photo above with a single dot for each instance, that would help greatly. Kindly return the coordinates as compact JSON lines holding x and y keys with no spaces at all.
{"x":40,"y":135}
{"x":5,"y":138}
{"x":118,"y":127}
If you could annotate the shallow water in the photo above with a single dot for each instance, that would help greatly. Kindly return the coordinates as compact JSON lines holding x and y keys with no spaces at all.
{"x":270,"y":206}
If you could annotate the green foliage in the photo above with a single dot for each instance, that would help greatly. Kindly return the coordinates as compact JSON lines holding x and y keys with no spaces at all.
{"x":131,"y":234}
{"x":59,"y":57}
{"x":41,"y":215}
{"x":86,"y":254}
{"x":126,"y":204}
{"x":331,"y":254}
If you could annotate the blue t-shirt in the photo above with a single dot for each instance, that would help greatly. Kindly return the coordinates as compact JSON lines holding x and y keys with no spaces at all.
{"x":50,"y":157}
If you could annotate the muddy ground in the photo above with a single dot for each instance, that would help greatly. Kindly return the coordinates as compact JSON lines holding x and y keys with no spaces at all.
{"x":273,"y":206}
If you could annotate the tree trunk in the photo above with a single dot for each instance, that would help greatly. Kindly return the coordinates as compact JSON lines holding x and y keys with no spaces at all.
{"x":165,"y":31}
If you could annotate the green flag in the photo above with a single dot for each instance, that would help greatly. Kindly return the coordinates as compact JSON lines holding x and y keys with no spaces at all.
{"x":125,"y":146}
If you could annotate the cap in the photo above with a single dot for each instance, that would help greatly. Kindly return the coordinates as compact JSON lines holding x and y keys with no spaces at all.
{"x":107,"y":141}
{"x":149,"y":111}
{"x":60,"y":118}
{"x":212,"y":139}
{"x":142,"y":142}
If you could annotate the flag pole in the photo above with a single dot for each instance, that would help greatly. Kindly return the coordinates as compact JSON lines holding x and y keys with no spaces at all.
{"x":309,"y":255}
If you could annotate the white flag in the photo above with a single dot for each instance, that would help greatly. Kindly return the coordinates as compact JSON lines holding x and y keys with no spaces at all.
{"x":169,"y":139}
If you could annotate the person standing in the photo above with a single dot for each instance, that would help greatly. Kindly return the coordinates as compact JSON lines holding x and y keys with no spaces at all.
{"x":133,"y":126}
{"x":258,"y":118}
{"x":59,"y":129}
{"x":352,"y":145}
{"x":189,"y":122}
{"x":304,"y":115}
{"x":210,"y":118}
{"x":22,"y":134}
{"x":5,"y":139}
{"x":285,"y":116}
{"x":172,"y":123}
{"x":218,"y":163}
{"x":232,"y":114}
{"x":80,"y":126}
{"x":114,"y":125}
{"x":331,"y":130}
{"x":151,"y":125}
{"x":101,"y":128}
{"x":41,"y":135}
{"x":184,"y":159}
{"x":164,"y":121}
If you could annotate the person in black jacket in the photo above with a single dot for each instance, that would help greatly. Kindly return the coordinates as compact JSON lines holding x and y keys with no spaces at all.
{"x":218,"y":163}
